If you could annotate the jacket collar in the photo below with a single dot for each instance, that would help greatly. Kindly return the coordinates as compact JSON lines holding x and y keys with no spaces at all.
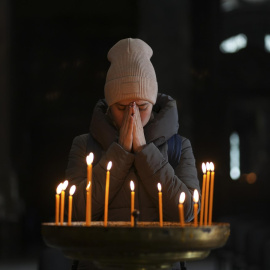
{"x":159,"y":129}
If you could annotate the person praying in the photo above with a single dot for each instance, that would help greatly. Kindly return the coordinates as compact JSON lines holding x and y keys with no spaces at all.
{"x":136,"y":127}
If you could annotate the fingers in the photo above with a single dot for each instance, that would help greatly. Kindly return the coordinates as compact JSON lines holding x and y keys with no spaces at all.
{"x":137,"y":118}
{"x":125,"y":119}
{"x":126,"y":130}
{"x":132,"y":106}
{"x":138,"y":132}
{"x":129,"y":119}
{"x":131,"y":132}
{"x":130,"y":126}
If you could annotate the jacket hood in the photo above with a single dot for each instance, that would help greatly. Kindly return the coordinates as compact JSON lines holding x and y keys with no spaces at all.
{"x":158,"y":130}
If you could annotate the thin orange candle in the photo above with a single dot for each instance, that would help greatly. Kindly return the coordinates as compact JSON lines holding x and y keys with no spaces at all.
{"x":71,"y":192}
{"x":206,"y":193}
{"x":195,"y":206}
{"x":203,"y":193}
{"x":64,"y":186}
{"x":89,"y":161}
{"x":88,"y":207}
{"x":132,"y":187}
{"x":57,"y":203}
{"x":107,"y":194}
{"x":181,"y":208}
{"x":211,"y":192}
{"x":160,"y":205}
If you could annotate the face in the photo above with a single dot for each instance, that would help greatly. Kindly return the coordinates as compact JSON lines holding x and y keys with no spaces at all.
{"x":118,"y":110}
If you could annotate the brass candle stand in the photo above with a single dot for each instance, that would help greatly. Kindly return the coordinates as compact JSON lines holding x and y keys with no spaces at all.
{"x":146,"y":246}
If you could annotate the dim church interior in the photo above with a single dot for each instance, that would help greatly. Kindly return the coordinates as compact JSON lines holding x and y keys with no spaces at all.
{"x":53,"y":67}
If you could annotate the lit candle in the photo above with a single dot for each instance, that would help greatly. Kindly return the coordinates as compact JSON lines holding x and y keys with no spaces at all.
{"x":195,"y":206}
{"x":88,"y":206}
{"x":181,"y":208}
{"x":132,"y":202}
{"x":57,"y":203}
{"x":211,"y":192}
{"x":160,"y":205}
{"x":107,"y":194}
{"x":206,"y":193}
{"x":89,"y":161}
{"x":64,"y":186}
{"x":203,"y":193}
{"x":71,"y":192}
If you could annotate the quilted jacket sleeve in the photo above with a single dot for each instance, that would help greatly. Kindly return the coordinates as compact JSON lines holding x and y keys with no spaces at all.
{"x":153,"y":167}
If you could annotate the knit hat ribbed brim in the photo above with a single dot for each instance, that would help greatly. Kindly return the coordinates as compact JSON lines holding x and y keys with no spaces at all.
{"x":131,"y":74}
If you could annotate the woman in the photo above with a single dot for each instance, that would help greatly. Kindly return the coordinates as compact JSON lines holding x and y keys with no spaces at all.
{"x":137,"y":129}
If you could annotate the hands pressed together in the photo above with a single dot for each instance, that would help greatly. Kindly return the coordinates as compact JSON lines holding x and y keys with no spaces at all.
{"x":131,"y":135}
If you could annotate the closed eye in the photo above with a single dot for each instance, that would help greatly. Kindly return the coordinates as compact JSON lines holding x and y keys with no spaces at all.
{"x":121,"y":107}
{"x":143,"y":107}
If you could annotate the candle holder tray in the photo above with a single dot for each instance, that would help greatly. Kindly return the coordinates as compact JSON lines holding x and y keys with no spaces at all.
{"x":146,"y":246}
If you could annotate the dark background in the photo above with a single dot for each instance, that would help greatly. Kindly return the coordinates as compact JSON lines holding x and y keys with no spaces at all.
{"x":53,"y":68}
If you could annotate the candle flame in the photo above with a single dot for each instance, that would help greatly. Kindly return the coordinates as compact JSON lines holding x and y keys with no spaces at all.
{"x":182,"y":197}
{"x":212,"y":167}
{"x":65,"y":184}
{"x":90,"y":158}
{"x":132,"y":185}
{"x":88,"y":186}
{"x":59,"y":188}
{"x":196,"y":196}
{"x":72,"y":190}
{"x":159,"y":187}
{"x":207,"y":166}
{"x":204,"y":168}
{"x":109,"y":165}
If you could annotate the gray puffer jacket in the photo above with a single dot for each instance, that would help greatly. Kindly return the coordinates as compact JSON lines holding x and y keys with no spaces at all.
{"x":145,"y":168}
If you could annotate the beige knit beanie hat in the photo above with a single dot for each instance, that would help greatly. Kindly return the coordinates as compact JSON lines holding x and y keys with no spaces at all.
{"x":131,"y":74}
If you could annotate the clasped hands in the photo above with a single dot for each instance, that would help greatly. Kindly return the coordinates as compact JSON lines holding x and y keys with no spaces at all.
{"x":131,"y":134}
